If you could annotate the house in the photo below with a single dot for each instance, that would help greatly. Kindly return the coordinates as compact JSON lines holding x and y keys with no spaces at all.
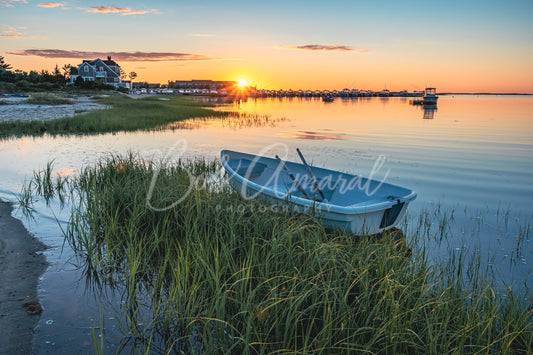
{"x":105,"y":71}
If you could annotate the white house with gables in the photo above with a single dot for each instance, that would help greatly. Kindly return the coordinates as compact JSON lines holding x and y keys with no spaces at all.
{"x":105,"y":71}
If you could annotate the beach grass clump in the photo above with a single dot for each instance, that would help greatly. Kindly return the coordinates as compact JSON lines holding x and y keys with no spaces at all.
{"x":201,"y":270}
{"x":48,"y":99}
{"x":124,"y":114}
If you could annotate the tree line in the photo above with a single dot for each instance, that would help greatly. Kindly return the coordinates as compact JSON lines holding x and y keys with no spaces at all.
{"x":18,"y":80}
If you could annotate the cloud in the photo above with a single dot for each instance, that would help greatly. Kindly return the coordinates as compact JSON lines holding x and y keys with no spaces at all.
{"x":123,"y":11}
{"x":50,"y":5}
{"x":119,"y":56}
{"x":15,"y":36}
{"x":201,"y":35}
{"x":326,"y":47}
{"x":9,"y":3}
{"x":14,"y":32}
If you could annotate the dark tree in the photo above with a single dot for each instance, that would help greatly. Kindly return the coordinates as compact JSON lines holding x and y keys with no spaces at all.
{"x":79,"y":82}
{"x":3,"y":64}
{"x":66,"y":71}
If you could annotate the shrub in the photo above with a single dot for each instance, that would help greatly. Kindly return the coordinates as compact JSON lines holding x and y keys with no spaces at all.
{"x":49,"y":99}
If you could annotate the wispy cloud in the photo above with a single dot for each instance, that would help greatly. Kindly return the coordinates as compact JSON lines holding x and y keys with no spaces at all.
{"x":123,"y":11}
{"x":326,"y":47}
{"x":120,"y":56}
{"x":14,"y":32}
{"x":201,"y":35}
{"x":51,"y":5}
{"x":9,"y":3}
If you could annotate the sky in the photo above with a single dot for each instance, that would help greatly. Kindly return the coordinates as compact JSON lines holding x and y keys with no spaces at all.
{"x":455,"y":46}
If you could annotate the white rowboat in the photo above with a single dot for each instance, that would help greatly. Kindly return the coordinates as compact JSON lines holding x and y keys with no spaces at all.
{"x":341,"y":201}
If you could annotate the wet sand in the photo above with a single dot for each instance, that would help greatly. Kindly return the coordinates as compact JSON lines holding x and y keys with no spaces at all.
{"x":20,"y":268}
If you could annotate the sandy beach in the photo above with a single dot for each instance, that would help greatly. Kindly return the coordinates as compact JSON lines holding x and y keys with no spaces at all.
{"x":20,"y":268}
{"x":15,"y":108}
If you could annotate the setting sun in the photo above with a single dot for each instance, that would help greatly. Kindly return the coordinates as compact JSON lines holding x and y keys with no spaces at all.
{"x":242,"y":83}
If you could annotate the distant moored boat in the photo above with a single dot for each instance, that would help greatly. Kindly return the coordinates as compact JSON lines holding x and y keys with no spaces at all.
{"x":328,"y":98}
{"x":430,"y":96}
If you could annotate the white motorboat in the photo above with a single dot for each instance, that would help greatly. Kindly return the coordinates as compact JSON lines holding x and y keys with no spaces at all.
{"x":430,"y":96}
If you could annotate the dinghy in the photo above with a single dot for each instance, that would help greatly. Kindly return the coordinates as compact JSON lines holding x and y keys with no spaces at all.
{"x":342,"y":201}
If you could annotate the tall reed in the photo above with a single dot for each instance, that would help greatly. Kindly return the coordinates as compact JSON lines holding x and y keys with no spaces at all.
{"x":217,"y":274}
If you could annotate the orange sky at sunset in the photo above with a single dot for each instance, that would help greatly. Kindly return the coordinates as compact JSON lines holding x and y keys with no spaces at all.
{"x":457,"y":47}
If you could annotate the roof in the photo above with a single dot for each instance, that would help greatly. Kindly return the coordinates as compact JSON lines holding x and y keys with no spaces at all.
{"x":107,"y":62}
{"x":110,"y":62}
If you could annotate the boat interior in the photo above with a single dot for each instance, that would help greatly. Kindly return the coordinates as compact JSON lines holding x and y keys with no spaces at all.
{"x":334,"y":186}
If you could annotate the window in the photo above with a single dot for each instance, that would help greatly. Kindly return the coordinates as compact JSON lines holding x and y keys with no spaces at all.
{"x":86,"y":68}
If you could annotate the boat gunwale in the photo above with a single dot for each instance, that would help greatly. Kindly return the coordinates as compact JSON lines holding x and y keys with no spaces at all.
{"x":306,"y":203}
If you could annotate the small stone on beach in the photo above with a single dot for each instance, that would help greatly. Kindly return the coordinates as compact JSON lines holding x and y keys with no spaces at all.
{"x":33,"y":307}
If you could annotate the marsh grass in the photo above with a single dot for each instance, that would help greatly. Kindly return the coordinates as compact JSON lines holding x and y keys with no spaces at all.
{"x":26,"y":200}
{"x":216,"y":274}
{"x":234,"y":120}
{"x":48,"y":99}
{"x":126,"y":114}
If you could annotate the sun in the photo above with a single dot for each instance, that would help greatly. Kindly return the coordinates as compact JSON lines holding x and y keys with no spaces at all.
{"x":242,"y":83}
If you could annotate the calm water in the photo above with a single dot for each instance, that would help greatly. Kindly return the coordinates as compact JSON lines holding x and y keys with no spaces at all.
{"x":472,"y":158}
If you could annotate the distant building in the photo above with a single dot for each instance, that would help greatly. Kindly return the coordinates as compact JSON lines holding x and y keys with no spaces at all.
{"x":202,"y":84}
{"x":142,"y":84}
{"x":105,"y":71}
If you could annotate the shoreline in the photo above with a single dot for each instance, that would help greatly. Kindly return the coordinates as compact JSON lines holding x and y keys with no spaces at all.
{"x":21,"y":266}
{"x":17,"y":109}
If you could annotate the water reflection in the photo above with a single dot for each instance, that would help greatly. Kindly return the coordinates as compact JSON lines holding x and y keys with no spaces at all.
{"x":429,"y":112}
{"x":223,"y":99}
{"x":321,"y":136}
{"x":234,"y":120}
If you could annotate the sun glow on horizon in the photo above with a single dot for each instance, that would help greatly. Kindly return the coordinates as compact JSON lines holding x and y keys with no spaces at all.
{"x":242,"y":83}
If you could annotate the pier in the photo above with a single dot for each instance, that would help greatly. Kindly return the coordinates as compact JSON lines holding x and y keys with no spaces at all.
{"x":264,"y":93}
{"x":337,"y":93}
